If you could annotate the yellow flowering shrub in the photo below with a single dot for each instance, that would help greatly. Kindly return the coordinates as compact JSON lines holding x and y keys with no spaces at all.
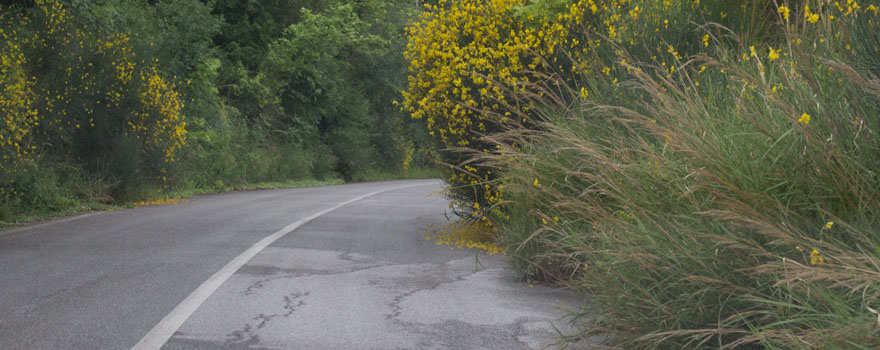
{"x":71,"y":94}
{"x":472,"y":62}
{"x":159,"y":121}
{"x":468,"y":58}
{"x":460,"y":54}
{"x":121,"y":55}
{"x":465,"y":57}
{"x":16,"y":103}
{"x":91,"y":84}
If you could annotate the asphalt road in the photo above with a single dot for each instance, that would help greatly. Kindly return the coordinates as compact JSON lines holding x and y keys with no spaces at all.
{"x":337,"y":267}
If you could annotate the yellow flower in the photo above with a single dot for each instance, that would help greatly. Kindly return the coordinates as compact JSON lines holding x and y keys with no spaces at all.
{"x":811,"y":17}
{"x":536,"y":183}
{"x":805,"y":118}
{"x":816,"y":257}
{"x":584,"y":93}
{"x":829,"y":224}
{"x":774,"y":54}
{"x":784,"y":11}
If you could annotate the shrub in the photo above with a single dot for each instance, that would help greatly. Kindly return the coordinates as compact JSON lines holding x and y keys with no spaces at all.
{"x":712,"y":185}
{"x":72,"y":94}
{"x":466,"y":58}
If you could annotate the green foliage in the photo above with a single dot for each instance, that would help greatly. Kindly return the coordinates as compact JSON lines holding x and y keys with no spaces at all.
{"x":168,"y":94}
{"x":703,"y":169}
{"x":250,"y":26}
{"x":541,"y":8}
{"x":298,"y":81}
{"x":85,"y":91}
{"x":333,"y":83}
{"x":310,"y":66}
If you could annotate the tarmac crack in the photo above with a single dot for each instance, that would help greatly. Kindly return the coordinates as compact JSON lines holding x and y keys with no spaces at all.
{"x":398,"y":299}
{"x":520,"y":331}
{"x":291,"y":303}
{"x":246,"y":335}
{"x":261,"y":284}
{"x":302,"y":273}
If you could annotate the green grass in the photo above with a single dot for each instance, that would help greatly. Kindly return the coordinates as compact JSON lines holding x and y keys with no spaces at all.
{"x":152,"y":194}
{"x":415,"y":173}
{"x":698,"y":207}
{"x":87,"y":206}
{"x":79,"y":196}
{"x":24,"y":219}
{"x":265,"y":185}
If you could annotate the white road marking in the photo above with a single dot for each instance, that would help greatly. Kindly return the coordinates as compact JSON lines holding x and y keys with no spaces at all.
{"x":162,"y":332}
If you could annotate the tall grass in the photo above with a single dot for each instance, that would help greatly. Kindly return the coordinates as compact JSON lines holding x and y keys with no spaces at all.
{"x":735,"y":206}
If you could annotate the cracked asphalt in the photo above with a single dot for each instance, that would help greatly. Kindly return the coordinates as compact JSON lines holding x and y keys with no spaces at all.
{"x":359,"y":277}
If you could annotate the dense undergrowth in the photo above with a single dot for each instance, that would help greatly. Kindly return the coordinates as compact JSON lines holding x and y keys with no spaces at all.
{"x":113,"y":101}
{"x":705,"y":170}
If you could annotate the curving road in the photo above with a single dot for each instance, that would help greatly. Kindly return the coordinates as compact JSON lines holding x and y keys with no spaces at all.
{"x":336,"y":267}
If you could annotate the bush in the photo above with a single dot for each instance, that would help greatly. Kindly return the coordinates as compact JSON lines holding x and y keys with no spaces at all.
{"x":712,"y":186}
{"x":77,"y":96}
{"x":467,"y":58}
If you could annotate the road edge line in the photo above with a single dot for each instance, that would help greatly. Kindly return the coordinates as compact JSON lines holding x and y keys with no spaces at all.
{"x":165,"y":329}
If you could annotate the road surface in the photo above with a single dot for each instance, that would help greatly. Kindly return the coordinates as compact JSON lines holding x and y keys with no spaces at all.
{"x":336,"y":267}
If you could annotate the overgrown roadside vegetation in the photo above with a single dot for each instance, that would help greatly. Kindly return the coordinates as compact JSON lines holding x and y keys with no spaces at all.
{"x":115,"y":101}
{"x":705,"y":170}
